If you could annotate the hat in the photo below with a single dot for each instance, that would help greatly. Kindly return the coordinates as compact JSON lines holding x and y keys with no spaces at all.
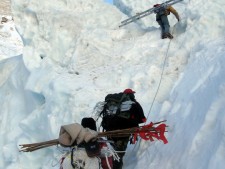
{"x":128,"y":91}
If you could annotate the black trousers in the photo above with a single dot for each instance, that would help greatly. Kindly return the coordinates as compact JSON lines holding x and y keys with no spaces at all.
{"x":120,"y":144}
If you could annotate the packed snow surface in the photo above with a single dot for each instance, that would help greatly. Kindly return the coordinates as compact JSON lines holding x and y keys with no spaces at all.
{"x":71,"y":54}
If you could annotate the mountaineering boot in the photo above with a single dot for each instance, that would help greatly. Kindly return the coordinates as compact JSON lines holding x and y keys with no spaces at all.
{"x":169,"y":36}
{"x":164,"y":36}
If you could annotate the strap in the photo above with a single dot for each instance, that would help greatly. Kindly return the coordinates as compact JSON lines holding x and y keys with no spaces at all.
{"x":121,"y":100}
{"x":72,"y":164}
{"x":107,"y":162}
{"x":99,"y":163}
{"x":61,"y":163}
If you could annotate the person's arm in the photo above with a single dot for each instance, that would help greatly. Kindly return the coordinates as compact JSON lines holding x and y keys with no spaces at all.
{"x":173,"y":11}
{"x":140,"y":112}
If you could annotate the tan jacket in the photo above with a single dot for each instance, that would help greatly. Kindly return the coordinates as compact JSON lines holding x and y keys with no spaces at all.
{"x":173,"y":11}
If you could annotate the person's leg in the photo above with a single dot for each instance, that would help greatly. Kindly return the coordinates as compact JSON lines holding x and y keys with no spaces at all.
{"x":165,"y":24}
{"x":161,"y":26}
{"x":120,"y":146}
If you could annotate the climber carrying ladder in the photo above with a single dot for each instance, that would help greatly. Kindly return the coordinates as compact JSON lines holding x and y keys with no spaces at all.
{"x":161,"y":11}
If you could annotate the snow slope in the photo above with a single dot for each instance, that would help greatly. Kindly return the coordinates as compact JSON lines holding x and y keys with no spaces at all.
{"x":195,"y":114}
{"x":74,"y":54}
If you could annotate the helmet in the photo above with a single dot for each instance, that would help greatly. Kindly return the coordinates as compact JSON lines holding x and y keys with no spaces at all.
{"x":128,"y":91}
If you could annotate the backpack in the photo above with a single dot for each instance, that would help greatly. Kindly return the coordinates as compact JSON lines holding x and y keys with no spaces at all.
{"x":79,"y":159}
{"x":116,"y":106}
{"x":92,"y":148}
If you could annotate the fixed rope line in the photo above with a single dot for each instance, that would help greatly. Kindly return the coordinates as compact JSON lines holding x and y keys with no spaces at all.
{"x":160,"y":81}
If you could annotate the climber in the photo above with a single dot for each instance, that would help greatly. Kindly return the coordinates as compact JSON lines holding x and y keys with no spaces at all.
{"x":161,"y":18}
{"x":121,"y":111}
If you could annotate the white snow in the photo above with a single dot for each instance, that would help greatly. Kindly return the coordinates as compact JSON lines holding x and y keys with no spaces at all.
{"x":73,"y":54}
{"x":10,"y":41}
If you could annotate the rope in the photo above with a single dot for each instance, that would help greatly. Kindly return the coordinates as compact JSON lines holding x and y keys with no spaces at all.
{"x":160,"y":81}
{"x":107,"y":161}
{"x":114,"y":154}
{"x":162,"y":70}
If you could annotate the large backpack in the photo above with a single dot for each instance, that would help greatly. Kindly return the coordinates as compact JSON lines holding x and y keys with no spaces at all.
{"x":117,"y":107}
{"x":117,"y":104}
{"x":79,"y":159}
